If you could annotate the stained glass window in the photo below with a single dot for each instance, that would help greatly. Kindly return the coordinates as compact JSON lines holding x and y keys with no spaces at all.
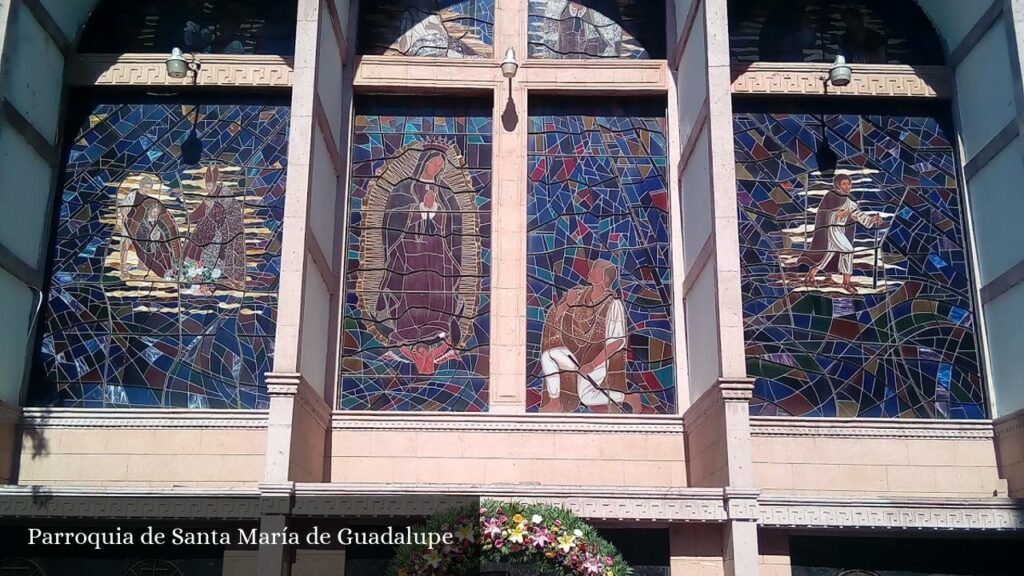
{"x":567,"y":29}
{"x":599,"y":322}
{"x":201,"y":26}
{"x":856,"y":281}
{"x":435,"y":28}
{"x":164,"y":274}
{"x":864,"y":31}
{"x":417,"y":308}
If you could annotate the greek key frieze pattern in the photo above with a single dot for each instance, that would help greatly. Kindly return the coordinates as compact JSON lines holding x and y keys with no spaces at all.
{"x":809,"y":80}
{"x":150,"y":70}
{"x":891,"y":517}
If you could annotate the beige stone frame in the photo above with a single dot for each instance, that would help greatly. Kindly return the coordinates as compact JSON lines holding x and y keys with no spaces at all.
{"x":385,"y":74}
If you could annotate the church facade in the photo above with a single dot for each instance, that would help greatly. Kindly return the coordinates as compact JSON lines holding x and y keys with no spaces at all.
{"x":734,"y":282}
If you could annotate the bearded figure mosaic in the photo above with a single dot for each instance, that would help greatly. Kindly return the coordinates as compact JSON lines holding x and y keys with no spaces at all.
{"x":163,"y":286}
{"x":416,"y":315}
{"x":599,"y":326}
{"x":856,"y":283}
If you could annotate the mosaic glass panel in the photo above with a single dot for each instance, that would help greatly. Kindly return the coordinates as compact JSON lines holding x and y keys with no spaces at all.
{"x":417,"y":307}
{"x":864,"y":31}
{"x":566,"y":29}
{"x":434,"y":28}
{"x":856,"y":282}
{"x":599,"y":322}
{"x":200,"y":26}
{"x":164,"y":274}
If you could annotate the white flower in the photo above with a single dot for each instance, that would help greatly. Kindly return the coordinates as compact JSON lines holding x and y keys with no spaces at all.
{"x":537,"y":519}
{"x":216,"y":273}
{"x":577,"y":533}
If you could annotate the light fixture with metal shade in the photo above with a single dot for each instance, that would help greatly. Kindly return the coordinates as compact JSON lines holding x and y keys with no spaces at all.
{"x":840,"y":73}
{"x":178,"y":66}
{"x":509,"y":66}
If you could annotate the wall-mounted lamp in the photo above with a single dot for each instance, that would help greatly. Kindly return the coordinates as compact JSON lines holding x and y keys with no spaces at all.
{"x":509,"y":66}
{"x":178,"y":67}
{"x":840,"y":73}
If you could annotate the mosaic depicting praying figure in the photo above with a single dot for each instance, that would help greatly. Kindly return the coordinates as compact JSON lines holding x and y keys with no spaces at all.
{"x":857,"y":287}
{"x":427,"y":28}
{"x":215,"y":250}
{"x":429,"y":37}
{"x":582,"y":29}
{"x":573,"y":28}
{"x":599,"y":320}
{"x":584,"y":347}
{"x":835,"y":227}
{"x":419,"y":289}
{"x":150,"y":233}
{"x":861,"y":44}
{"x":420,"y":307}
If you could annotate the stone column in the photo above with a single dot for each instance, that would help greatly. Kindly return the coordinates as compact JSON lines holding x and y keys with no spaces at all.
{"x":508,"y":213}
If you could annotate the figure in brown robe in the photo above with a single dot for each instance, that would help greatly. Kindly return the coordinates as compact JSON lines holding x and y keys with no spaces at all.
{"x":583,"y":349}
{"x":217,"y":242}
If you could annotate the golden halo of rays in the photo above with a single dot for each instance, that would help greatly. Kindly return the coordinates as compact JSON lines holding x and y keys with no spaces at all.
{"x":372,"y":263}
{"x":192,"y":186}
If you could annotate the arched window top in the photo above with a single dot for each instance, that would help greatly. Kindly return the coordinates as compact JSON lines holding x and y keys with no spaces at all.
{"x":202,"y":26}
{"x":431,"y":28}
{"x":583,"y":29}
{"x":864,"y":31}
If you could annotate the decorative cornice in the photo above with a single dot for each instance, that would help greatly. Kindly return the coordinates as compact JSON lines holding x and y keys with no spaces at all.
{"x":283,"y":383}
{"x":9,"y":413}
{"x":1012,"y":423}
{"x":423,"y":422}
{"x":107,"y":503}
{"x":148,"y":418}
{"x":776,"y":426}
{"x":593,"y":503}
{"x":800,"y":78}
{"x":441,"y":75}
{"x":724,"y":390}
{"x":742,"y":505}
{"x":151,"y":70}
{"x":922,"y":514}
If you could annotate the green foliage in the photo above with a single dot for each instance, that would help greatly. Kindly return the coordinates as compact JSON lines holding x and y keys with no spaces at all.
{"x":550,"y":539}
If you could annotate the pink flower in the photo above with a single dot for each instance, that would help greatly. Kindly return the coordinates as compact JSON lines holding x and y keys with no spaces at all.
{"x":492,"y":528}
{"x":499,"y":543}
{"x":540,"y":538}
{"x":608,"y":561}
{"x":592,"y":565}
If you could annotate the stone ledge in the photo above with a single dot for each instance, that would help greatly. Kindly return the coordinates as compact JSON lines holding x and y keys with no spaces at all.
{"x":781,"y":426}
{"x":591,"y":502}
{"x":143,"y":418}
{"x":891,"y":513}
{"x":151,"y":70}
{"x":801,"y":78}
{"x":579,"y":423}
{"x":111,"y":503}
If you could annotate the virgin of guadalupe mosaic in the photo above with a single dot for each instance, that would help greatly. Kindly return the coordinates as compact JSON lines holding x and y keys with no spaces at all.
{"x":856,"y":283}
{"x":431,"y":28}
{"x":599,"y":328}
{"x":163,"y":275}
{"x":569,"y":29}
{"x":415,"y":326}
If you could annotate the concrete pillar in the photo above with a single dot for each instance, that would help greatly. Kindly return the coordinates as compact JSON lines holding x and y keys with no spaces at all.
{"x":696,"y":550}
{"x":273,"y":558}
